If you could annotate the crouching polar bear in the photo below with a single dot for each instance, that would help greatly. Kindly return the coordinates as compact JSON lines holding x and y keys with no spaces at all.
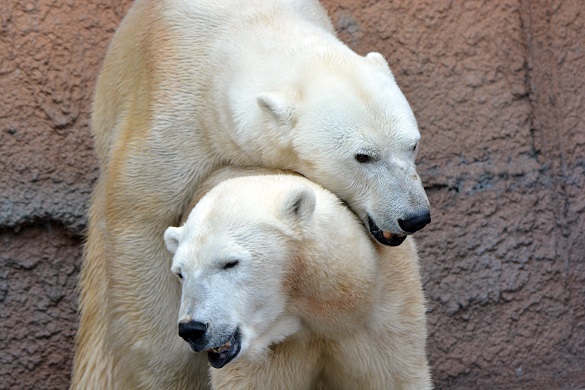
{"x":283,"y":288}
{"x":188,"y":86}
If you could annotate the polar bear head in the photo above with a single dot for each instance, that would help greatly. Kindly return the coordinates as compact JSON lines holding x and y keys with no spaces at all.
{"x":242,"y":258}
{"x":352,"y":130}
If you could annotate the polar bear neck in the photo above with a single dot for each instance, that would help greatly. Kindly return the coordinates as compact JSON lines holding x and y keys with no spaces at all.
{"x":332,"y":278}
{"x":252,"y":66}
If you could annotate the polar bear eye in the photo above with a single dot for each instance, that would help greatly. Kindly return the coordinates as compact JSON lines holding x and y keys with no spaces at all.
{"x":363,"y":158}
{"x":179,"y":275}
{"x":414,"y":147}
{"x":230,"y":264}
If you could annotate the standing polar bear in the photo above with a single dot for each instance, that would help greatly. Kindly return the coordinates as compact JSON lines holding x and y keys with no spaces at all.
{"x":187,"y":86}
{"x":283,"y":288}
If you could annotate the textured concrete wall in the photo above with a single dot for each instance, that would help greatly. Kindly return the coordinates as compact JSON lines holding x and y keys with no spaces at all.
{"x":497,"y":87}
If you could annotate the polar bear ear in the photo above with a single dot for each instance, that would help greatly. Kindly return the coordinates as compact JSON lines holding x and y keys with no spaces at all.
{"x":379,"y":60}
{"x":172,"y":238}
{"x":278,"y":105}
{"x":299,"y":204}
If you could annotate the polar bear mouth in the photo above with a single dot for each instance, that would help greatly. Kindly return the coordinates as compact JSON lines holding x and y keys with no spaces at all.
{"x":384,"y":237}
{"x":221,"y":355}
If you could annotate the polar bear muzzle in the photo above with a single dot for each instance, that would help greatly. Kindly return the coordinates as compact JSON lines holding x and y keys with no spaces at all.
{"x":411,"y":224}
{"x":225,"y":353}
{"x":385,"y":237}
{"x":221,"y":349}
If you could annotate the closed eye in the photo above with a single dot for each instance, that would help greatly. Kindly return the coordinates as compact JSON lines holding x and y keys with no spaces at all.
{"x":363,"y":158}
{"x":230,"y":264}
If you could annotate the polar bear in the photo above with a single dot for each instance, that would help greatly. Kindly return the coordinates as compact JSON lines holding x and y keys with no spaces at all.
{"x":281,"y":286}
{"x":188,"y":86}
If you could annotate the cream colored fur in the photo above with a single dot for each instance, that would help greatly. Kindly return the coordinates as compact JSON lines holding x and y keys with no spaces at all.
{"x":360,"y":305}
{"x":190,"y":85}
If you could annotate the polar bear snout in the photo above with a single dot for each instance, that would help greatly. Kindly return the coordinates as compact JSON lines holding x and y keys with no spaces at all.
{"x":410,"y":224}
{"x":194,"y":332}
{"x":221,"y":348}
{"x":414,"y":223}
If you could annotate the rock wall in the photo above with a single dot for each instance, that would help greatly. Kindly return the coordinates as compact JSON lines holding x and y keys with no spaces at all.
{"x":497,"y":88}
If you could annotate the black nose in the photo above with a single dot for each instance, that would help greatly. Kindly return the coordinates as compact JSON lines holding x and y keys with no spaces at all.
{"x":192,"y":331}
{"x":415,"y":223}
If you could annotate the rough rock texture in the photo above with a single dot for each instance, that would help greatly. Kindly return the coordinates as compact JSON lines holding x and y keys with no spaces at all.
{"x":497,"y":90}
{"x":50,"y":54}
{"x":38,"y":276}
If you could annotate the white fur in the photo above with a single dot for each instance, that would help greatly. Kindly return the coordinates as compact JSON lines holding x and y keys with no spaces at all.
{"x":281,"y":92}
{"x":309,"y":285}
{"x":188,"y":86}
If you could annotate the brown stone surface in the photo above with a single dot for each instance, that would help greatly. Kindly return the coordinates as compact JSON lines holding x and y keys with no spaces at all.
{"x":38,"y":276}
{"x":497,"y":88}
